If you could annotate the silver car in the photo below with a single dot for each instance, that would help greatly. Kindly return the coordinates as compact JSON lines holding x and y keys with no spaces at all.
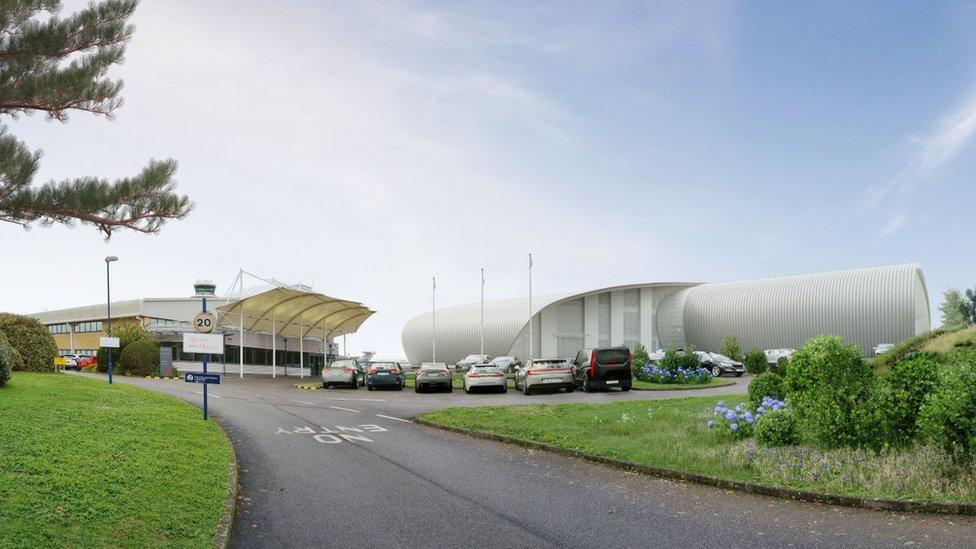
{"x":545,"y":373}
{"x":344,"y":372}
{"x":773,"y":355}
{"x":485,"y":376}
{"x":882,"y":348}
{"x":506,"y":364}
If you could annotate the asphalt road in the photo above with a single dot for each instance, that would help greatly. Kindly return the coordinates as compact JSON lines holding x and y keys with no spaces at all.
{"x":347,"y":468}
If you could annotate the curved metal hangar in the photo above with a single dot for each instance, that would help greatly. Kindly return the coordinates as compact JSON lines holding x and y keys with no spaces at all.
{"x":864,"y":306}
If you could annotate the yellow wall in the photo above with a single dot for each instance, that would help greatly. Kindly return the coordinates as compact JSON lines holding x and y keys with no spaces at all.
{"x":90,"y":340}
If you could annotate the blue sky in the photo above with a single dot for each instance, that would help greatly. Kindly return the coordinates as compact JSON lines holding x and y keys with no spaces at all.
{"x":365,"y":147}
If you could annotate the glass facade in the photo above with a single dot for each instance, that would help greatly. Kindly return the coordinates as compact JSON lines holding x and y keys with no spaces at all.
{"x":86,"y":327}
{"x":603,"y":320}
{"x":58,"y":328}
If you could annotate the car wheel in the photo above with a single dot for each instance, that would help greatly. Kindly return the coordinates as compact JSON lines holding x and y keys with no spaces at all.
{"x":716,"y":371}
{"x":450,"y":388}
{"x":505,"y":388}
{"x":738,"y":374}
{"x":466,"y":390}
{"x":625,"y":389}
{"x":526,"y":391}
{"x":416,"y":389}
{"x":370,"y":387}
{"x":570,"y":389}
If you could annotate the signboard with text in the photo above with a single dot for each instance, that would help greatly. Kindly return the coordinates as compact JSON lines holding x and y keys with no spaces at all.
{"x":111,"y":342}
{"x":203,"y":343}
{"x":213,"y":379}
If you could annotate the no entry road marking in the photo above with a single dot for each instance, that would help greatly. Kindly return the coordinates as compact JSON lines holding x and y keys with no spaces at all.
{"x":343,"y":409}
{"x":335,"y":435}
{"x":395,"y":418}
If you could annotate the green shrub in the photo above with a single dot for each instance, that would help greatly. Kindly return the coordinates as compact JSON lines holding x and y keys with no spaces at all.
{"x":948,"y":416}
{"x":8,"y":356}
{"x":780,"y":366}
{"x":731,"y":347}
{"x":139,"y":358}
{"x":777,"y":428}
{"x":639,"y":358}
{"x":127,"y":332}
{"x":828,"y":385}
{"x":767,"y":384}
{"x":674,"y":359}
{"x":899,"y":398}
{"x":32,"y":341}
{"x":755,"y":361}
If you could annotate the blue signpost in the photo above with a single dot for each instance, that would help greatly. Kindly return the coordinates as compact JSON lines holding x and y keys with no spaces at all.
{"x":204,"y":378}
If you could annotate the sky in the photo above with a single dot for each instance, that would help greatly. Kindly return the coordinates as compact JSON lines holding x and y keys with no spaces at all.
{"x":364,"y":147}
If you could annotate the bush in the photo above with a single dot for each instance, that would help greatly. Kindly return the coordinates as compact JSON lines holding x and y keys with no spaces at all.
{"x":734,"y":422}
{"x":948,"y":415}
{"x":828,"y":384}
{"x":780,"y":366}
{"x":8,"y":356}
{"x":127,"y":332}
{"x":639,"y":358}
{"x":139,"y":358}
{"x":731,"y":347}
{"x":899,"y":399}
{"x":33,"y":342}
{"x":777,"y":428}
{"x":652,"y":373}
{"x":767,"y":384}
{"x":674,"y":360}
{"x":755,"y":361}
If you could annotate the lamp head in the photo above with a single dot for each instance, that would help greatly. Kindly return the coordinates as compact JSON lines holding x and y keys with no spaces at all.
{"x":110,"y":259}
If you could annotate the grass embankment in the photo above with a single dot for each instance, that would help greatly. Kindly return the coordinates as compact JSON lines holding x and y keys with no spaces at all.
{"x":87,"y":464}
{"x":950,"y":341}
{"x":672,"y":434}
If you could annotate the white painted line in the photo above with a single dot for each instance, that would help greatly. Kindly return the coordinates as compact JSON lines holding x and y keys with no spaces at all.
{"x":345,"y":409}
{"x":396,"y":418}
{"x":357,"y":399}
{"x":209,"y":394}
{"x":306,"y":402}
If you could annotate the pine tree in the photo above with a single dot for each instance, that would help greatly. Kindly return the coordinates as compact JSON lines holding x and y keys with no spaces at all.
{"x":57,"y":64}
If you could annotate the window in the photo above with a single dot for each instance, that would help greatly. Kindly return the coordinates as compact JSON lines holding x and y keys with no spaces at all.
{"x":603,"y":320}
{"x":58,"y":328}
{"x":631,"y":305}
{"x":87,"y":327}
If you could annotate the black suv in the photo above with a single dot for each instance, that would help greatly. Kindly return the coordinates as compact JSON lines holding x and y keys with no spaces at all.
{"x":602,"y":367}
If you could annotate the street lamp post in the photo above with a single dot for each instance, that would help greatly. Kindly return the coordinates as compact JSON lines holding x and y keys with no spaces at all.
{"x":108,"y":307}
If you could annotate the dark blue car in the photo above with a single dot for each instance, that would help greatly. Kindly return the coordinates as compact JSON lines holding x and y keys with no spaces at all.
{"x":385,"y":374}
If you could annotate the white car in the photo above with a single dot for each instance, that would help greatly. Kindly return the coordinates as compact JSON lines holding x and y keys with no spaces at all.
{"x":883,"y":348}
{"x":485,"y":376}
{"x":70,"y":362}
{"x":773,"y":355}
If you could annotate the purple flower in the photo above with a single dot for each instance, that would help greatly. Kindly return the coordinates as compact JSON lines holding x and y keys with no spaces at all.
{"x":734,"y":427}
{"x":710,"y":424}
{"x":730,"y":415}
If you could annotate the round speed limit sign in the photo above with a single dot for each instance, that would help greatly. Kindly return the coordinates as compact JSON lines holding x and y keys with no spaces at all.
{"x":204,"y":322}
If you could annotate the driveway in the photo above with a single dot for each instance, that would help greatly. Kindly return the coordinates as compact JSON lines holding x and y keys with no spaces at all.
{"x":348,"y":468}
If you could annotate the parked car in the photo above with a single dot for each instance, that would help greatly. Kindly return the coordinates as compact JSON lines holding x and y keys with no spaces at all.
{"x":659,"y":354}
{"x":485,"y":376}
{"x":70,"y":361}
{"x":603,"y":367}
{"x":719,"y":364}
{"x":545,"y":373}
{"x":84,"y":361}
{"x":773,"y":355}
{"x":506,"y":364}
{"x":882,"y":348}
{"x":344,"y":371}
{"x":436,"y":375}
{"x":385,"y":374}
{"x":470,"y":360}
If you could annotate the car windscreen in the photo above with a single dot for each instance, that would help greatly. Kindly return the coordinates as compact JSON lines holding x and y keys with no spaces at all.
{"x":717,"y":356}
{"x":384,"y":365}
{"x":549,"y":364}
{"x":612,"y":356}
{"x":342,"y":364}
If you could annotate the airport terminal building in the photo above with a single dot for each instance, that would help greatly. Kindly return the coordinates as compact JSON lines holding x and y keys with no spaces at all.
{"x":864,"y":306}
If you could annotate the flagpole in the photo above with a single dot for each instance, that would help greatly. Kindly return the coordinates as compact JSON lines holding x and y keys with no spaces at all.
{"x":530,"y":306}
{"x":433,"y":321}
{"x":482,"y":311}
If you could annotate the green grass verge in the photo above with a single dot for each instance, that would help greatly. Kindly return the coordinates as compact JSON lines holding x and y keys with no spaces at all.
{"x":87,"y":464}
{"x":712,"y":382}
{"x":672,"y":434}
{"x":948,"y":342}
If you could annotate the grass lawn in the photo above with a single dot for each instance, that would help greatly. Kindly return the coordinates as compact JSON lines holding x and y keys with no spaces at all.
{"x":946,"y":343}
{"x":639,"y":385}
{"x":86,"y":464}
{"x":672,"y":434}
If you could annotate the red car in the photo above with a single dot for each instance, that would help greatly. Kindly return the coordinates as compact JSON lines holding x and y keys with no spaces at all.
{"x":85,"y":361}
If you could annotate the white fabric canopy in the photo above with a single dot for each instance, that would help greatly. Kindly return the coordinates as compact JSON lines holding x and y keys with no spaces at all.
{"x":295,"y":313}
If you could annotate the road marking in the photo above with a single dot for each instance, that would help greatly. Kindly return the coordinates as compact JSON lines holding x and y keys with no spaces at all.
{"x":396,"y":418}
{"x":357,"y":399}
{"x":208,"y":394}
{"x":303,"y":402}
{"x":344,"y":409}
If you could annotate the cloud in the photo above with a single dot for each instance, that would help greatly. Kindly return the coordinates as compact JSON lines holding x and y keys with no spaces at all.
{"x":933,"y":152}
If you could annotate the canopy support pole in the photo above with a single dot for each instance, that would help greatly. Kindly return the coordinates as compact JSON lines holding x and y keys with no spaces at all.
{"x":274,"y":347}
{"x":240,"y":298}
{"x":301,"y":353}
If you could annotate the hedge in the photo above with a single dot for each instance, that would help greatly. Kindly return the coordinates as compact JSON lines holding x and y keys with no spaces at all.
{"x":139,"y":358}
{"x":32,"y":341}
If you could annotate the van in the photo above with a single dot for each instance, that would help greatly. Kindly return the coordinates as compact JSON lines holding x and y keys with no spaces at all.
{"x":602,"y":367}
